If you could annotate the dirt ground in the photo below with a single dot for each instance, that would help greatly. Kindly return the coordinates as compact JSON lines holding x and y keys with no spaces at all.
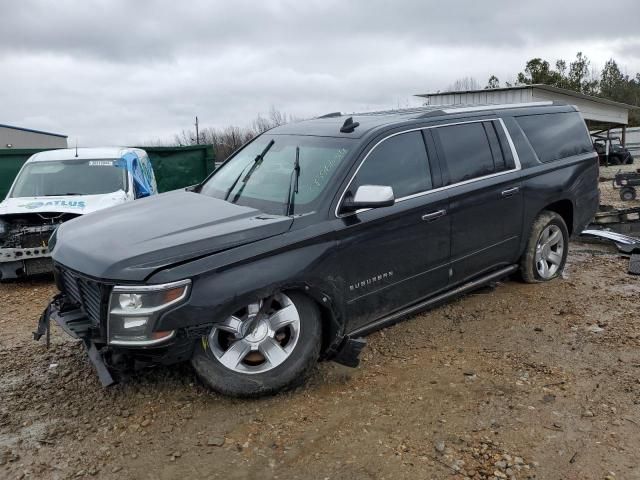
{"x":522,"y":381}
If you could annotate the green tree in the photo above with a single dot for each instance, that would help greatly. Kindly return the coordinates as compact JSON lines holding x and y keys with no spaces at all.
{"x":579,"y":78}
{"x":538,"y":70}
{"x":613,"y":82}
{"x":493,"y":82}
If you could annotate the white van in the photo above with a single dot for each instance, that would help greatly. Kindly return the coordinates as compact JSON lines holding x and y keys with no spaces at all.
{"x":58,"y":185}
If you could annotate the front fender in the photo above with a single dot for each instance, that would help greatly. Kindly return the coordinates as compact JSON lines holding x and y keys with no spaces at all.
{"x":221,"y":292}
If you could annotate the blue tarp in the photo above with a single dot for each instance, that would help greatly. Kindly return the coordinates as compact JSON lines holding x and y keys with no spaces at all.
{"x":143,"y":179}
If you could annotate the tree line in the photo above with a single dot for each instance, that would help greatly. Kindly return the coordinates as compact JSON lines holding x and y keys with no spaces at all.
{"x":579,"y":75}
{"x":228,"y":139}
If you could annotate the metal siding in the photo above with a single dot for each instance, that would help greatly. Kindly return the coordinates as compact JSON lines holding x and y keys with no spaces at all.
{"x":590,"y":110}
{"x":26,"y":139}
{"x":486,"y":97}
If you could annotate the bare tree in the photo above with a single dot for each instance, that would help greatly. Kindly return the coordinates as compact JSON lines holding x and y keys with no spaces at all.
{"x":462,"y":84}
{"x":227,"y":140}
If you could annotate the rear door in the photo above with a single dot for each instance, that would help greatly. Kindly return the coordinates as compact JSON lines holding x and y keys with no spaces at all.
{"x":481,"y":172}
{"x":395,"y":255}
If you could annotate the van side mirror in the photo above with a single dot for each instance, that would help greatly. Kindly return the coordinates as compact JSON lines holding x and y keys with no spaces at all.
{"x":369,"y":196}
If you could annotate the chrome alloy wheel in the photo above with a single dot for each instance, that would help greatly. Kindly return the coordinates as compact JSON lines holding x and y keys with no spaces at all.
{"x":259,"y":337}
{"x":549,"y":252}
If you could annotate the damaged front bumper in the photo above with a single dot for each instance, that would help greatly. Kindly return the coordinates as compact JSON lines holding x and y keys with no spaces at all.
{"x":110,"y":362}
{"x":18,"y":262}
{"x":24,"y":250}
{"x":76,"y":324}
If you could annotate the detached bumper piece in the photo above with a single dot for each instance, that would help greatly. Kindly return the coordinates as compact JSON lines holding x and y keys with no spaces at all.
{"x":77,"y":325}
{"x":111,"y":363}
{"x":349,"y":352}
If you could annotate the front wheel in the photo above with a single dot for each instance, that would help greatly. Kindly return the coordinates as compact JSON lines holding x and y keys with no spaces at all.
{"x":546,"y":252}
{"x":266,"y":347}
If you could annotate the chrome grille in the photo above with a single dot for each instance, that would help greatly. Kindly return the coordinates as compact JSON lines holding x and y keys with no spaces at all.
{"x":84,"y":292}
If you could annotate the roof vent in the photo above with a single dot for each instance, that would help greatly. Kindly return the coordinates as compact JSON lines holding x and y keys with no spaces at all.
{"x":349,"y":125}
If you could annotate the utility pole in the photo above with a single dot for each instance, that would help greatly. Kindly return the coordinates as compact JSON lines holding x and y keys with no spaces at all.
{"x":197,"y":132}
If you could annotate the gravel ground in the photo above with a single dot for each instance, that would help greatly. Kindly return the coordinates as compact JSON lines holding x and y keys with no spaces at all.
{"x":522,"y":381}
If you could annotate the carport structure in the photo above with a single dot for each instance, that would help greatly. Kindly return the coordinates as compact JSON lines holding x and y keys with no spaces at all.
{"x":600,"y":114}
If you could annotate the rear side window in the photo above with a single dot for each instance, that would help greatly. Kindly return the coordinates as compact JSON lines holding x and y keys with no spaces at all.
{"x":400,"y":162}
{"x":467,"y":150}
{"x":556,"y":135}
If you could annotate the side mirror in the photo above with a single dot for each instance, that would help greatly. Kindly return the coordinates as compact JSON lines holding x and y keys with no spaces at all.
{"x":369,"y":196}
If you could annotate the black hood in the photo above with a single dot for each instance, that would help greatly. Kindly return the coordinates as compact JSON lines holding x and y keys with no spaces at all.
{"x":131,"y":241}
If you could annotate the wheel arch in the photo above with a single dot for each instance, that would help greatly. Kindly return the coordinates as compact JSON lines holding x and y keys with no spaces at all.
{"x":565,"y":209}
{"x":333,"y":325}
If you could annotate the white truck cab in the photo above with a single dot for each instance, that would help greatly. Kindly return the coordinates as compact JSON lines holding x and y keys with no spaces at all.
{"x":55,"y":186}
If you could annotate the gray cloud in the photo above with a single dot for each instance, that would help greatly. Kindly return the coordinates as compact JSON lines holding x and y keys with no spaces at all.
{"x":125,"y":72}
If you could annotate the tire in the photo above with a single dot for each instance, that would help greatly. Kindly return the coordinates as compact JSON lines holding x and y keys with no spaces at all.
{"x":256,"y":373}
{"x":627,"y":194}
{"x":531,"y":263}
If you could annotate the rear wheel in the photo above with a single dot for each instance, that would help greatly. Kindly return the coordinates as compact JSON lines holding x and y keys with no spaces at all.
{"x":266,"y":347}
{"x":546,"y":252}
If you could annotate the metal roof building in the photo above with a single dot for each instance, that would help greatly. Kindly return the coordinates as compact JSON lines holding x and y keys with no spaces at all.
{"x":599,"y":113}
{"x":18,"y":137}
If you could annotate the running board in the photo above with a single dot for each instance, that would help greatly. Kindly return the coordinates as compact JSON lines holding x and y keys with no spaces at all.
{"x":467,"y":287}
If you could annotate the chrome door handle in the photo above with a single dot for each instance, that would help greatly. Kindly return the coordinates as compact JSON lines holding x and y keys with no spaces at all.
{"x":430,"y":217}
{"x":510,"y":192}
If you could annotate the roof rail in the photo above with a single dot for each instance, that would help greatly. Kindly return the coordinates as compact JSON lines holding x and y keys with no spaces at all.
{"x":480,"y":108}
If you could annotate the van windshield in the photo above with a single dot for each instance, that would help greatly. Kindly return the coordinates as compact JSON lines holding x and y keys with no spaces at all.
{"x":70,"y":177}
{"x":265,"y":182}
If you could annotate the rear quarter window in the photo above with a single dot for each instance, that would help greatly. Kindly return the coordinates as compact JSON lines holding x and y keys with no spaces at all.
{"x":554,"y":136}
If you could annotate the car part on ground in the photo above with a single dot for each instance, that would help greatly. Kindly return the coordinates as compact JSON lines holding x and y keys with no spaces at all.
{"x":608,"y":216}
{"x":634,"y":264}
{"x":625,"y":243}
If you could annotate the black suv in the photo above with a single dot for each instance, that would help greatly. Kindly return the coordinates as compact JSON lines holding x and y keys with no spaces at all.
{"x":316,"y":233}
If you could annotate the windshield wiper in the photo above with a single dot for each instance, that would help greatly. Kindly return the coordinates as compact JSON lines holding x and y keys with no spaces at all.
{"x":294,"y":180}
{"x":256,"y":163}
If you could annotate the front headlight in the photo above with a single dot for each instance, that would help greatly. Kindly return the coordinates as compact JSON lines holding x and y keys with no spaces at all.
{"x":134,"y":311}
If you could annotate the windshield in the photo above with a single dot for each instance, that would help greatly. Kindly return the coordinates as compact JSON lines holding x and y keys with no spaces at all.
{"x":267,"y":182}
{"x":70,"y":177}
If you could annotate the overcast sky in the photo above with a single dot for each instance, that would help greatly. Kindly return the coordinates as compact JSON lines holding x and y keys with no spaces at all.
{"x":124,"y":72}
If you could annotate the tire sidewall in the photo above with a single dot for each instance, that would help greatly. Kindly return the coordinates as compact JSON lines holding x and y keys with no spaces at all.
{"x":528,"y":270}
{"x":556,"y":220}
{"x":286,"y":375}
